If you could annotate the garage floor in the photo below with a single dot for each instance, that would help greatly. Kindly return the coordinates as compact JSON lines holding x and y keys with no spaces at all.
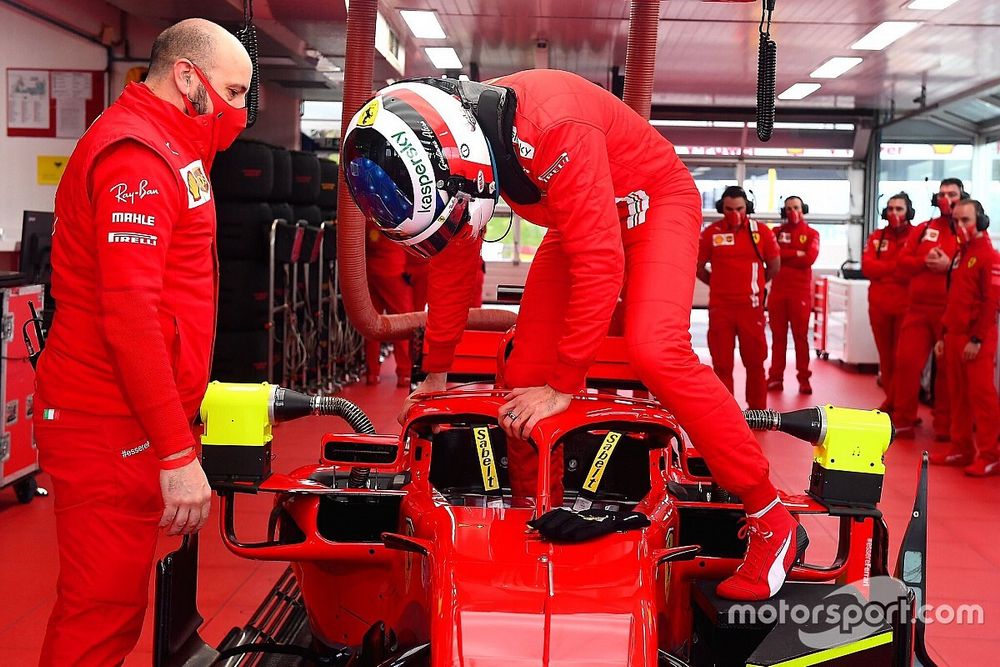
{"x":964,"y":561}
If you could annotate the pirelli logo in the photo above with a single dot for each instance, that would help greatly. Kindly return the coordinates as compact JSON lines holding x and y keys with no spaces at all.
{"x":556,"y":167}
{"x":600,"y":463}
{"x":487,"y":460}
{"x":132,"y":237}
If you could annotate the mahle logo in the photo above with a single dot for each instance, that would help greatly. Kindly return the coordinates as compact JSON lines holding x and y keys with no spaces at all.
{"x":424,"y":178}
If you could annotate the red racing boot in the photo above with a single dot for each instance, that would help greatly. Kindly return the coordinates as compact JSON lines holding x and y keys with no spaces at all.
{"x":776,"y":543}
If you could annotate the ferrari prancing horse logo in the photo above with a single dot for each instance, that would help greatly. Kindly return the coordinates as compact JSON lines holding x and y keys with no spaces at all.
{"x":199,"y":190}
{"x":197,"y":184}
{"x":368,"y":114}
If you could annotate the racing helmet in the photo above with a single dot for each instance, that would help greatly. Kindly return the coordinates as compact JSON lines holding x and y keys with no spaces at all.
{"x":419,"y":167}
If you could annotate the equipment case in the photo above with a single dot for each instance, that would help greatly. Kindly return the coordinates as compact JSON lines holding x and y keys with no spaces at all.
{"x":18,"y":454}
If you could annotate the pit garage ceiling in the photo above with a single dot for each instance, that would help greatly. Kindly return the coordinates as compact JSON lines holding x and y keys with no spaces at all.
{"x":707,"y":50}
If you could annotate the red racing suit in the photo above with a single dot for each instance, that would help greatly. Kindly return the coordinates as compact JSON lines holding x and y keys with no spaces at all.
{"x":737,"y":255}
{"x":417,"y":269}
{"x":887,"y":297}
{"x":386,"y":264}
{"x":620,"y":208}
{"x":127,"y":359}
{"x":789,"y":303}
{"x":928,"y":294}
{"x":972,"y":313}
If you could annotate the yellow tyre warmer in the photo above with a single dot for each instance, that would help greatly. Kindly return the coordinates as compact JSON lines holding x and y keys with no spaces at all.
{"x":236,"y":444}
{"x":848,"y":461}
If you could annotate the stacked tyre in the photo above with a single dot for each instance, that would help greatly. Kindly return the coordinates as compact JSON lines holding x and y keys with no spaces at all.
{"x":307,"y":186}
{"x":244,"y":178}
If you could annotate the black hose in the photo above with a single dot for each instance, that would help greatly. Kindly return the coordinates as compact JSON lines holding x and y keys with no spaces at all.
{"x":358,"y":478}
{"x":808,"y":424}
{"x":290,"y":404}
{"x":763,"y":420}
{"x":349,"y":412}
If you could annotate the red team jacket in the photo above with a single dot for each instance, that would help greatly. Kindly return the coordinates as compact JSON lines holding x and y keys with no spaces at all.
{"x":926,"y":288}
{"x":888,"y":289}
{"x":795,"y":276}
{"x":973,"y":292}
{"x":737,"y":277}
{"x":134,"y":271}
{"x":583,"y":149}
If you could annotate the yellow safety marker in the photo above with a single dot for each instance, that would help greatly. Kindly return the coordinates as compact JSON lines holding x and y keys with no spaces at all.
{"x":487,"y":460}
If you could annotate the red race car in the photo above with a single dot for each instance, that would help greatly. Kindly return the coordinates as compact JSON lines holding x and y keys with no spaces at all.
{"x":409,"y":550}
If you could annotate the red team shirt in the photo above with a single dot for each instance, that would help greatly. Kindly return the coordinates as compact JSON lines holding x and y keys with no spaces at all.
{"x":795,"y":276}
{"x":888,"y":289}
{"x":927,"y":288}
{"x":131,"y":338}
{"x":737,"y":277}
{"x":972,"y":295}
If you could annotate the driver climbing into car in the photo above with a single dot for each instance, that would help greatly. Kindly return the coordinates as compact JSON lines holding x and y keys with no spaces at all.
{"x":426,"y":161}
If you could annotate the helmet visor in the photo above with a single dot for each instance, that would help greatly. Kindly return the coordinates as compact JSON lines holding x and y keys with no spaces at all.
{"x":377,"y":194}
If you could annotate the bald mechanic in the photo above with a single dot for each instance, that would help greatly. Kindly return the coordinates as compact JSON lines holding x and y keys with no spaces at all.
{"x":127,"y":359}
{"x":427,"y":159}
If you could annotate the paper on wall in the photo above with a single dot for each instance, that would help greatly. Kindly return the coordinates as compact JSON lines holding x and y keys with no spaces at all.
{"x":27,"y":99}
{"x":71,"y":117}
{"x":72,"y":85}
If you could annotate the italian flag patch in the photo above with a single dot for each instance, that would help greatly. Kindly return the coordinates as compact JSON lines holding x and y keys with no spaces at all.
{"x":48,"y":414}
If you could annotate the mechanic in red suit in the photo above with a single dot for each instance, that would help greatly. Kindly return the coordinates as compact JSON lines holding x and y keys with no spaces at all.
{"x":924,"y":263}
{"x":386,"y":264}
{"x":620,"y":208}
{"x":127,"y":360}
{"x":887,"y":291}
{"x":789,"y":302}
{"x":969,"y":346}
{"x":743,"y":256}
{"x":416,"y":277}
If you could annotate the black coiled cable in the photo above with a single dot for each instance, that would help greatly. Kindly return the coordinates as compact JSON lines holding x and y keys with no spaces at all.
{"x":248,"y":38}
{"x":767,"y":68}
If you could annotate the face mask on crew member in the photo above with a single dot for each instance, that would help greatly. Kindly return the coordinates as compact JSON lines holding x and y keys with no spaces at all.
{"x":228,"y":121}
{"x":733,"y":217}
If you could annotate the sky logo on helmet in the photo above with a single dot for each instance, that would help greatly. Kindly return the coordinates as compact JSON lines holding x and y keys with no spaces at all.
{"x":425,"y":180}
{"x":368,"y":114}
